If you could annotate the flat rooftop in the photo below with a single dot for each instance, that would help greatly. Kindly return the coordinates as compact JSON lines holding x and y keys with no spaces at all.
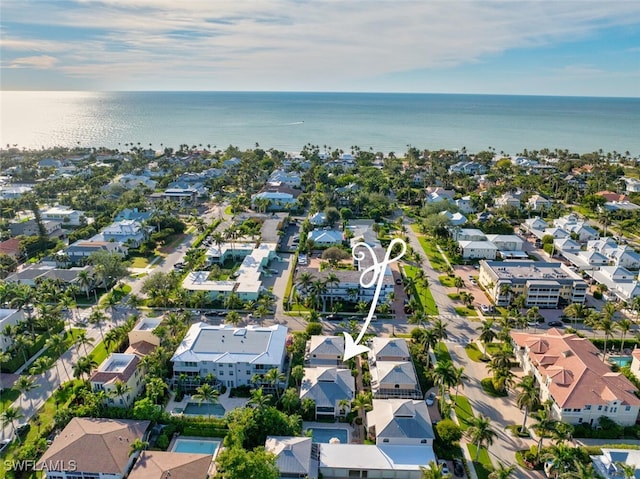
{"x":531,"y":270}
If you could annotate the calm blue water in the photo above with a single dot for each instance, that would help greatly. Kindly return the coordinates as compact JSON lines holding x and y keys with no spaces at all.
{"x":287,"y":121}
{"x":621,"y":361}
{"x":195,"y":446}
{"x":324,"y":434}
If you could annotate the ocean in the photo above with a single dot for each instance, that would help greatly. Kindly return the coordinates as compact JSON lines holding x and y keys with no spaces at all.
{"x":386,"y":122}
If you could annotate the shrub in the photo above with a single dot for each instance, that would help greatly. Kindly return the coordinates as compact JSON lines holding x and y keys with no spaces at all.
{"x":162,"y":442}
{"x":314,"y":329}
{"x":448,"y":431}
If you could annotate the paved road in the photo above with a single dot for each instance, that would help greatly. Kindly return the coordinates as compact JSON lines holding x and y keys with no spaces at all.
{"x":461,"y":331}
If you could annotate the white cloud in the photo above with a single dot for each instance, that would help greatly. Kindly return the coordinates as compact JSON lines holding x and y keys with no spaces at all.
{"x":41,"y":62}
{"x":288,"y":43}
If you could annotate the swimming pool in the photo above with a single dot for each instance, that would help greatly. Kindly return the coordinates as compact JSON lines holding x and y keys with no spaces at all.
{"x":621,"y":361}
{"x":204,"y":409}
{"x":325,"y":434}
{"x":196,"y":446}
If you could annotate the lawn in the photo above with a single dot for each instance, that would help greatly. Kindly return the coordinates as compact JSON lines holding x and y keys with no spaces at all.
{"x":463,"y":411}
{"x":424,"y":296}
{"x":454,"y":296}
{"x":446,"y":280}
{"x":69,"y":341}
{"x":8,"y":397}
{"x":475,"y":353}
{"x":464,"y":311}
{"x":441,"y":352}
{"x":99,"y":353}
{"x":483,"y":465}
{"x":140,"y":262}
{"x":228,"y":211}
{"x":428,"y":246}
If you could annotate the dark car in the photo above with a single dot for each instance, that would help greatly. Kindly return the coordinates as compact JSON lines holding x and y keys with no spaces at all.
{"x":555,"y":324}
{"x":458,"y":468}
{"x":211,"y":314}
{"x":333,"y":317}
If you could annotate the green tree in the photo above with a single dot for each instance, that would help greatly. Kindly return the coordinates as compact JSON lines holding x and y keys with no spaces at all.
{"x":137,"y":446}
{"x":120,"y":389}
{"x":432,"y":471}
{"x":297,"y":373}
{"x":206,"y":393}
{"x":259,"y":399}
{"x":155,"y":388}
{"x":238,"y":463}
{"x":487,"y":334}
{"x":502,"y":472}
{"x":9,"y":417}
{"x":528,"y":397}
{"x":275,"y":379}
{"x":480,"y":433}
{"x":26,"y":384}
{"x":448,"y":431}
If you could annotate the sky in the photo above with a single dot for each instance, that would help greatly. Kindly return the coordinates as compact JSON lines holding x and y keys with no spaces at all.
{"x":547,"y":47}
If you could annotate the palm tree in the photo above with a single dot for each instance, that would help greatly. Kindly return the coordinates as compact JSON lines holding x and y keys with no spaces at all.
{"x":419,"y":318}
{"x":155,"y":388}
{"x":628,"y":470}
{"x":362,"y":402}
{"x":432,"y":471}
{"x":233,"y":317}
{"x":83,"y":340}
{"x":9,"y":416}
{"x":487,"y":334}
{"x":444,"y":375}
{"x":458,"y":282}
{"x":85,"y":281}
{"x":58,"y":345}
{"x":137,"y":446}
{"x":259,"y":399}
{"x":502,"y":472}
{"x":480,"y":433}
{"x":581,"y":471}
{"x":297,"y":373}
{"x":120,"y":389}
{"x":83,"y":366}
{"x":97,"y":318}
{"x":458,"y":380}
{"x":607,"y":326}
{"x":544,"y":426}
{"x":561,"y":459}
{"x":624,"y":325}
{"x":440,"y":329}
{"x":25,"y":384}
{"x":528,"y":397}
{"x":206,"y":393}
{"x":274,"y":378}
{"x":576,"y":311}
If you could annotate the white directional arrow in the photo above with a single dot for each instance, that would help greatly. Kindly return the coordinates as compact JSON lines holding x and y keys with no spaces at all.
{"x":353,"y":348}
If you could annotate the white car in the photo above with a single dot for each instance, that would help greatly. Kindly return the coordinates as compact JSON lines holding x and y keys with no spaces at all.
{"x":484,"y":308}
{"x":445,"y":468}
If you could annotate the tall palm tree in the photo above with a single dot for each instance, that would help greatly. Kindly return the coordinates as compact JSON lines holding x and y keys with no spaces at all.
{"x":458,"y":282}
{"x":362,"y":402}
{"x":580,"y":471}
{"x":58,"y":345}
{"x":480,"y":433}
{"x":26,"y":384}
{"x":297,"y":373}
{"x":233,"y":318}
{"x":83,"y":340}
{"x":528,"y":397}
{"x":502,"y":472}
{"x":444,"y":375}
{"x":98,"y":318}
{"x":440,"y":329}
{"x":458,"y":380}
{"x":9,"y":416}
{"x":274,"y":378}
{"x":487,"y":334}
{"x":560,"y":458}
{"x":419,"y":318}
{"x":624,"y":325}
{"x":544,"y":425}
{"x":259,"y":399}
{"x":206,"y":393}
{"x":137,"y":446}
{"x":607,"y":326}
{"x":120,"y":389}
{"x":84,"y":366}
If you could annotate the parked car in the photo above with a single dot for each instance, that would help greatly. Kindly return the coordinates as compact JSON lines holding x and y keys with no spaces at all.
{"x":333,"y":317}
{"x":211,"y":314}
{"x":556,"y":324}
{"x":458,"y":468}
{"x":445,"y":468}
{"x":431,"y":399}
{"x":473,"y":282}
{"x":484,"y":308}
{"x":398,"y":281}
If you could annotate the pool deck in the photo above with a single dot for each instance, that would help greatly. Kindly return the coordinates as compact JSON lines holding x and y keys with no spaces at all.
{"x":331,"y":425}
{"x":224,"y":400}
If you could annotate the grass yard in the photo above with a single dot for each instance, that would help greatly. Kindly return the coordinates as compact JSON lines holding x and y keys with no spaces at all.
{"x":139,"y":262}
{"x":423,"y":294}
{"x":441,"y":352}
{"x":8,"y":397}
{"x":454,"y":296}
{"x":228,"y":211}
{"x":446,"y":280}
{"x":99,"y":353}
{"x":483,"y":465}
{"x":466,"y":312}
{"x":463,"y":411}
{"x":428,"y":246}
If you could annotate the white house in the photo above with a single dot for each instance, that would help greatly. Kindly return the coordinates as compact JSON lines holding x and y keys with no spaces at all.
{"x":325,"y":351}
{"x":8,"y":317}
{"x":465,"y":205}
{"x":478,"y":249}
{"x":469,"y":234}
{"x":566,"y":245}
{"x":400,"y":422}
{"x":329,"y":388}
{"x":294,"y":457}
{"x":633,"y":184}
{"x":129,"y":232}
{"x":571,"y":374}
{"x":607,"y":464}
{"x":389,"y":349}
{"x":535,"y":224}
{"x":119,"y":368}
{"x":276,"y":201}
{"x":506,"y":242}
{"x":324,"y":238}
{"x":455,"y":219}
{"x":232,"y":355}
{"x":292,"y":179}
{"x":508,"y":199}
{"x":93,"y":448}
{"x":538,"y":203}
{"x":394,"y":379}
{"x":64,"y":214}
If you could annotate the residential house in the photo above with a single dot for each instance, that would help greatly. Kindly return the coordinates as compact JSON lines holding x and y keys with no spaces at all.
{"x":468,"y":234}
{"x":11,"y":247}
{"x":291,"y":179}
{"x":389,"y":349}
{"x":543,"y":284}
{"x":612,"y":196}
{"x":538,"y":203}
{"x":608,"y":464}
{"x":142,"y":339}
{"x":128,"y":232}
{"x":318,"y":219}
{"x":325,"y":238}
{"x":621,"y":283}
{"x":393,"y":379}
{"x":53,"y":229}
{"x":620,"y":206}
{"x":119,"y":368}
{"x":34,"y":273}
{"x":332,"y":390}
{"x":506,"y":242}
{"x":130,"y":181}
{"x":467,"y":168}
{"x":8,"y":317}
{"x":275,"y":200}
{"x":509,"y":199}
{"x":633,"y":184}
{"x":400,"y":422}
{"x":93,"y":448}
{"x":14,"y":191}
{"x":578,"y":227}
{"x":566,"y":245}
{"x":294,"y":456}
{"x":232,"y":355}
{"x":587,"y":260}
{"x":465,"y":205}
{"x":172,"y":465}
{"x":455,"y":219}
{"x":569,"y":372}
{"x":79,"y":252}
{"x":436,"y":194}
{"x":64,"y":214}
{"x":477,"y":249}
{"x":133,"y":214}
{"x":339,"y":461}
{"x":324,"y":351}
{"x":535,"y":224}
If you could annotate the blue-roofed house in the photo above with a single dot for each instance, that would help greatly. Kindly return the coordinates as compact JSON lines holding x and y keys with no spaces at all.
{"x":294,"y":457}
{"x":133,"y":214}
{"x":328,"y":387}
{"x":325,"y":238}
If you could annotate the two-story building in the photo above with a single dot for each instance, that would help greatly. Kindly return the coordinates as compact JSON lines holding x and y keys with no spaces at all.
{"x":392,"y":372}
{"x":571,"y":373}
{"x":119,"y":368}
{"x":400,"y":422}
{"x":325,"y":351}
{"x":332,"y":389}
